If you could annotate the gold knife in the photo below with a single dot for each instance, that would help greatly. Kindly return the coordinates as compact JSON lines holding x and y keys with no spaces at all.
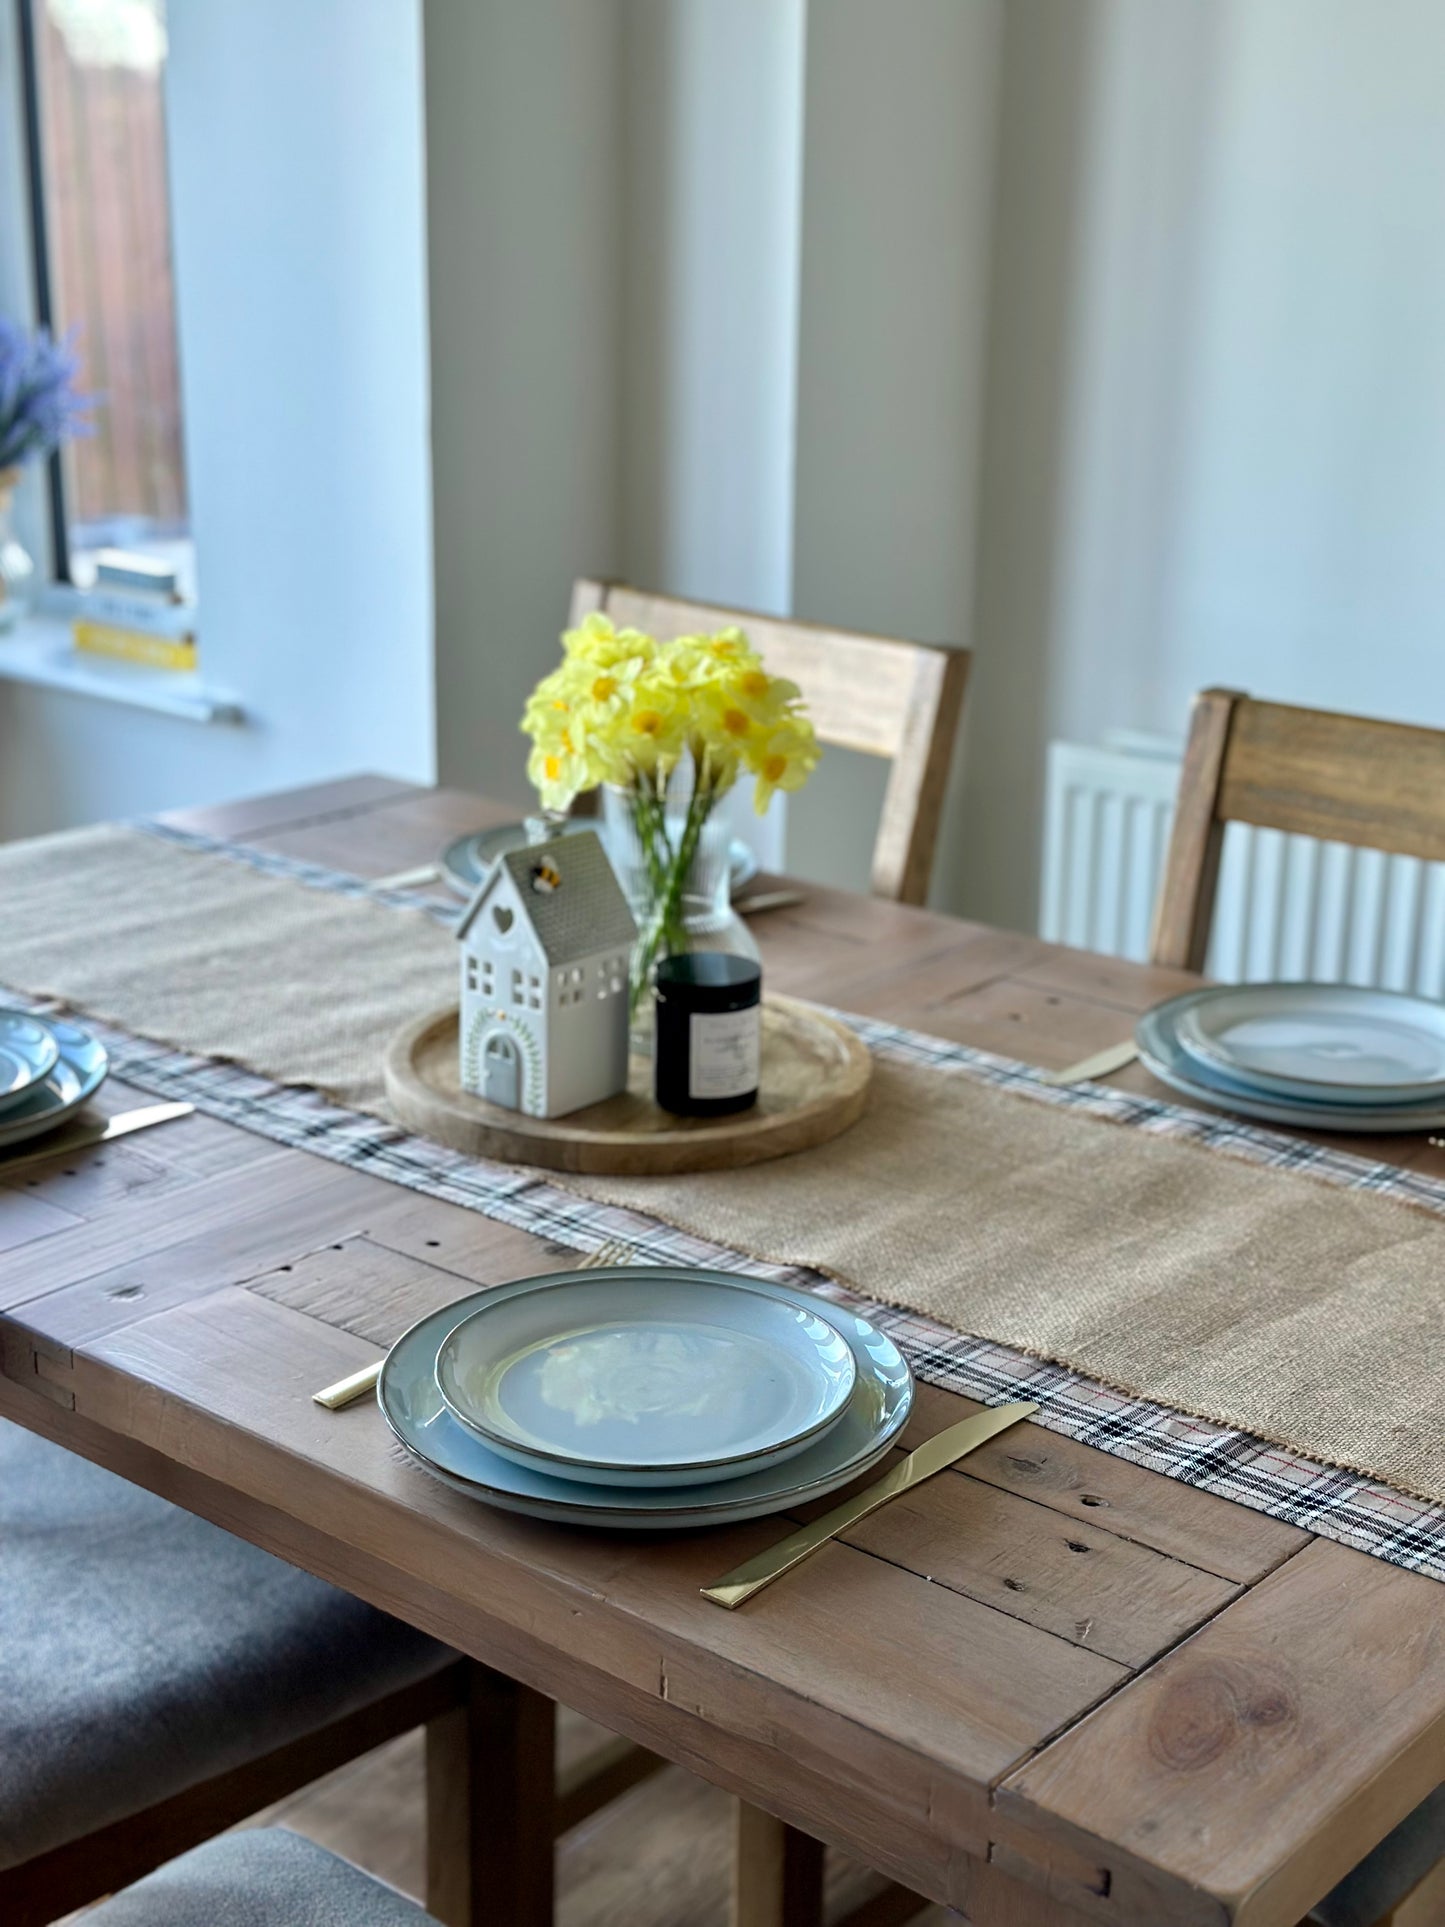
{"x":102,"y":1131}
{"x":345,"y":1391}
{"x":943,"y":1450}
{"x":1099,"y":1065}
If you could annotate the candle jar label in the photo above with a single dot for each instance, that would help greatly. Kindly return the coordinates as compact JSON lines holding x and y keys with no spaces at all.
{"x":725,"y":1052}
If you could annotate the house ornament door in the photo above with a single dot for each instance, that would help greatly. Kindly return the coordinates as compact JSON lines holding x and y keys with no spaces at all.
{"x":502,"y":1071}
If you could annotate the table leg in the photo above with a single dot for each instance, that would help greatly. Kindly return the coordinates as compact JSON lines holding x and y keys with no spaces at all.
{"x":489,"y":1806}
{"x":777,"y":1872}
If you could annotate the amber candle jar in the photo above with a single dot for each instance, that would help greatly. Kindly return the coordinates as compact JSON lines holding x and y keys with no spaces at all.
{"x":707,"y":1039}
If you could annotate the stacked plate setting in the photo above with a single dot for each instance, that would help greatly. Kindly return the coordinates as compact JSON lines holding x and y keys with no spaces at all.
{"x":48,"y":1069}
{"x":647,"y":1397}
{"x":1330,"y":1057}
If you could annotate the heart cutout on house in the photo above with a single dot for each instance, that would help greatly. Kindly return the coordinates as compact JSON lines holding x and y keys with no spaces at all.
{"x":503,"y":917}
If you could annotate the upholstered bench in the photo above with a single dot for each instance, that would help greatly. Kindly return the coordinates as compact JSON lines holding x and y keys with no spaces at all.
{"x":265,"y":1878}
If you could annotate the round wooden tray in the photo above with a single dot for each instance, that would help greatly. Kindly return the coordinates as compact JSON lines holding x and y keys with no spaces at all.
{"x":814,"y":1084}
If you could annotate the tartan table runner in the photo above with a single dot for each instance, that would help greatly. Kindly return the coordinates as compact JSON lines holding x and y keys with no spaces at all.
{"x":1341,"y":1505}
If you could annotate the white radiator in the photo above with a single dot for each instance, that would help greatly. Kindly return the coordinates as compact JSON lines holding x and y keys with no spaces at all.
{"x":1288,"y":906}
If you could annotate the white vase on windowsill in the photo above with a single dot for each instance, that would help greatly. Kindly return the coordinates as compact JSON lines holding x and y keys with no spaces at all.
{"x":17,"y":571}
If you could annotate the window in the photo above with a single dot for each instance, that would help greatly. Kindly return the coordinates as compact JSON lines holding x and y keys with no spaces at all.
{"x":93,"y":73}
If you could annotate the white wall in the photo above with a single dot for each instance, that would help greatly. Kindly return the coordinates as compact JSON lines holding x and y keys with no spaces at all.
{"x":1106,"y":337}
{"x":712,"y":193}
{"x":524,"y":150}
{"x":781,"y":283}
{"x":1309,"y":558}
{"x":712,"y":187}
{"x":297,"y":194}
{"x":1216,"y":443}
{"x":613,"y":325}
{"x":899,"y":137}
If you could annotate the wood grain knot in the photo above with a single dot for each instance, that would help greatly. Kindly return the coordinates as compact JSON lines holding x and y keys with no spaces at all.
{"x":1205,"y":1711}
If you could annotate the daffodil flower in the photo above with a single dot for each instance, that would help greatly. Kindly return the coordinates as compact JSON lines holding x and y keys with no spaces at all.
{"x":624,"y":709}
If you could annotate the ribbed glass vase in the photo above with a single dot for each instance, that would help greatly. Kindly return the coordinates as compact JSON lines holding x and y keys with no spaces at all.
{"x":681,"y":903}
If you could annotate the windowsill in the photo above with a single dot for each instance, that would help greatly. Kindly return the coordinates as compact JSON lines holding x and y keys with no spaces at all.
{"x":39,"y":651}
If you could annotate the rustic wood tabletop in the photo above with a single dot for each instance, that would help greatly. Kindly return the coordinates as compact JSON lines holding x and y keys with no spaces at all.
{"x":1049,"y":1687}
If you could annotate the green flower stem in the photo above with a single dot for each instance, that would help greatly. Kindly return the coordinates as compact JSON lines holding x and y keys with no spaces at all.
{"x":668,"y":869}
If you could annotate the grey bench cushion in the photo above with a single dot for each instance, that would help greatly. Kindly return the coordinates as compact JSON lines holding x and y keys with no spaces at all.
{"x":1385,"y":1877}
{"x":143,"y":1650}
{"x":263,"y":1879}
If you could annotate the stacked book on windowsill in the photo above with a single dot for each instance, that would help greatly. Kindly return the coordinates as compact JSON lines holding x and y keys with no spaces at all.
{"x":134,"y":613}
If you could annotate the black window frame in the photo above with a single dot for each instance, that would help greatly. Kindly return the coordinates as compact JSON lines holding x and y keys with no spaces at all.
{"x":40,"y":261}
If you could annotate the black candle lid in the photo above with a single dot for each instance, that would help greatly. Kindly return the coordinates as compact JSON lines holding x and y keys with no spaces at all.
{"x":710,"y":979}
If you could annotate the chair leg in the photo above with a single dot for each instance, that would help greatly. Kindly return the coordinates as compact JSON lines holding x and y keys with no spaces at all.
{"x":777,"y":1872}
{"x":1423,"y":1904}
{"x":489,"y":1779}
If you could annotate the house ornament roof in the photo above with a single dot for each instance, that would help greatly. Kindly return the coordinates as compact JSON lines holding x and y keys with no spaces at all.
{"x":569,"y":894}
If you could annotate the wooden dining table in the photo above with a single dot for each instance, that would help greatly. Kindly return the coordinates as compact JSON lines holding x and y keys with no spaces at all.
{"x":1049,"y":1688}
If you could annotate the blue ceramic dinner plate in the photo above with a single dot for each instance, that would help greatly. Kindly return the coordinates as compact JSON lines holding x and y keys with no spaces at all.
{"x":414,"y":1408}
{"x":645,"y":1380}
{"x":1161,"y":1053}
{"x":78,"y":1074}
{"x":28,"y":1053}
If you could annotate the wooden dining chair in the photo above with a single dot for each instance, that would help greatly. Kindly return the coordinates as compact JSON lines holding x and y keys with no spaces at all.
{"x":1342,"y":779}
{"x":898,"y":700}
{"x":1401,"y":1883}
{"x":1309,"y":772}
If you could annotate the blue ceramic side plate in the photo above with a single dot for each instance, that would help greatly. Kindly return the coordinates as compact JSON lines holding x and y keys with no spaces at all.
{"x":28,"y":1053}
{"x":79,"y":1072}
{"x":646,"y":1377}
{"x":876,"y":1413}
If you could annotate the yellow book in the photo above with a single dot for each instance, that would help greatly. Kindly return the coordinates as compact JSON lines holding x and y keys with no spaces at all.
{"x":134,"y":645}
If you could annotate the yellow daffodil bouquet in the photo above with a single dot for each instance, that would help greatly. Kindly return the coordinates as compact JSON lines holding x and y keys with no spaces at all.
{"x":640,"y":716}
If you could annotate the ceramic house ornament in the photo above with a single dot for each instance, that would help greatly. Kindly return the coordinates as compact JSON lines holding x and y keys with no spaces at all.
{"x":545,"y":945}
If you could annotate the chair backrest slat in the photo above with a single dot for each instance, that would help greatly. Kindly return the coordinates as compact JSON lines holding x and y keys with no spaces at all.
{"x":1308,"y":772}
{"x":877,"y":694}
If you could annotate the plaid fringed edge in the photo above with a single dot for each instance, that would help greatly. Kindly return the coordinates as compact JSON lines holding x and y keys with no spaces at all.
{"x":1339,"y":1505}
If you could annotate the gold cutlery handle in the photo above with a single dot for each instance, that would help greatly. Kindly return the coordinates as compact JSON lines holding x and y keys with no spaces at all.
{"x":944,"y":1450}
{"x":347,"y":1390}
{"x":1101,"y":1064}
{"x":407,"y":879}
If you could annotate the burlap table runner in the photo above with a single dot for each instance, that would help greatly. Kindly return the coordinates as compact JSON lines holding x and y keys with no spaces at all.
{"x":1289,"y":1307}
{"x":219,"y":959}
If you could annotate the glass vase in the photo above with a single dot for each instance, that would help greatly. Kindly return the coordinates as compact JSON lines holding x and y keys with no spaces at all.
{"x":17,"y":571}
{"x":674,"y":912}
